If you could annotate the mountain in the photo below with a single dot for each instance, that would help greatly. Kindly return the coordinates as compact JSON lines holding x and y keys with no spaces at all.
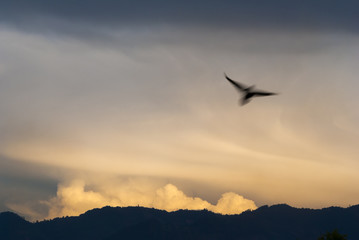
{"x":278,"y":222}
{"x":13,"y":226}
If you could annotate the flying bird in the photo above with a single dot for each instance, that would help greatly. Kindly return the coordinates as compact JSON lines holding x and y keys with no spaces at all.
{"x":248,"y":92}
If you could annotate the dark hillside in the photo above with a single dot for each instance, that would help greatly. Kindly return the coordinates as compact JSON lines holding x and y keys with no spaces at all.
{"x":279,"y":222}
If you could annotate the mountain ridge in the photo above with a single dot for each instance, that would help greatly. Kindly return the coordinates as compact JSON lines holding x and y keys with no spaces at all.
{"x":275,"y":222}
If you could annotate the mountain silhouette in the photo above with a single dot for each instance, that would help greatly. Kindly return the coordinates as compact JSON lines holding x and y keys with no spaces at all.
{"x":278,"y":222}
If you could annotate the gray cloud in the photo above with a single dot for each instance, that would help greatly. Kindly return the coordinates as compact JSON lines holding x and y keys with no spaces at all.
{"x":26,"y":184}
{"x":86,"y":15}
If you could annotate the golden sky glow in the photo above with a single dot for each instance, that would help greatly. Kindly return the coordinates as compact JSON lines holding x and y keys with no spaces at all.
{"x":154,"y":107}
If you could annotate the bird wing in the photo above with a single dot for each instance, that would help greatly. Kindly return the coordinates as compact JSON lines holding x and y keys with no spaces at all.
{"x":262,"y":93}
{"x":238,"y":85}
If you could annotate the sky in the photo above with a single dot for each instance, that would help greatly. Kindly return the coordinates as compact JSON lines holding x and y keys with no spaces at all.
{"x":124,"y":103}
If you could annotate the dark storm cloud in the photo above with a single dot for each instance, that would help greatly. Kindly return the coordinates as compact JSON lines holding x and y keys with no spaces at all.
{"x":305,"y":14}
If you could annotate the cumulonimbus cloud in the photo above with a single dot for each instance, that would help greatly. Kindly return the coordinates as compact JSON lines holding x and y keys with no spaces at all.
{"x":74,"y":199}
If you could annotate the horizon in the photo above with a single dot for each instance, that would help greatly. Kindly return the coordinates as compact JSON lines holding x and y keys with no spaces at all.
{"x":179,"y":210}
{"x":125,"y":103}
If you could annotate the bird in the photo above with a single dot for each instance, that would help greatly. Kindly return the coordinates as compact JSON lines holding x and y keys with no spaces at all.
{"x":248,"y":92}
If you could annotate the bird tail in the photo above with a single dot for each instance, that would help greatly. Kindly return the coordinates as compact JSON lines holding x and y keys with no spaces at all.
{"x":244,"y":101}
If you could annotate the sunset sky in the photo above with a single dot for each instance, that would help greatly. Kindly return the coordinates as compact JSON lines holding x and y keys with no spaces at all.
{"x":125,"y":103}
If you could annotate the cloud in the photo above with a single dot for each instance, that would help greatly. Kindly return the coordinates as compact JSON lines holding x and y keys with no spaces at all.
{"x":230,"y":13}
{"x":75,"y":198}
{"x":155,"y":103}
{"x":164,"y":109}
{"x":25,"y":210}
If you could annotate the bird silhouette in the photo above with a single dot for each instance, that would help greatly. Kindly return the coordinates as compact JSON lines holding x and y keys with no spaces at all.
{"x":248,"y":92}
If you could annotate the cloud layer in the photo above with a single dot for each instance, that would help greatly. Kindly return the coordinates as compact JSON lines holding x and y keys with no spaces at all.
{"x":305,"y":14}
{"x":156,"y":103}
{"x":76,"y":198}
{"x":124,"y":89}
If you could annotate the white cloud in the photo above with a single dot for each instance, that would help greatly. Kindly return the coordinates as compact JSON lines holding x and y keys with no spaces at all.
{"x":74,"y":199}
